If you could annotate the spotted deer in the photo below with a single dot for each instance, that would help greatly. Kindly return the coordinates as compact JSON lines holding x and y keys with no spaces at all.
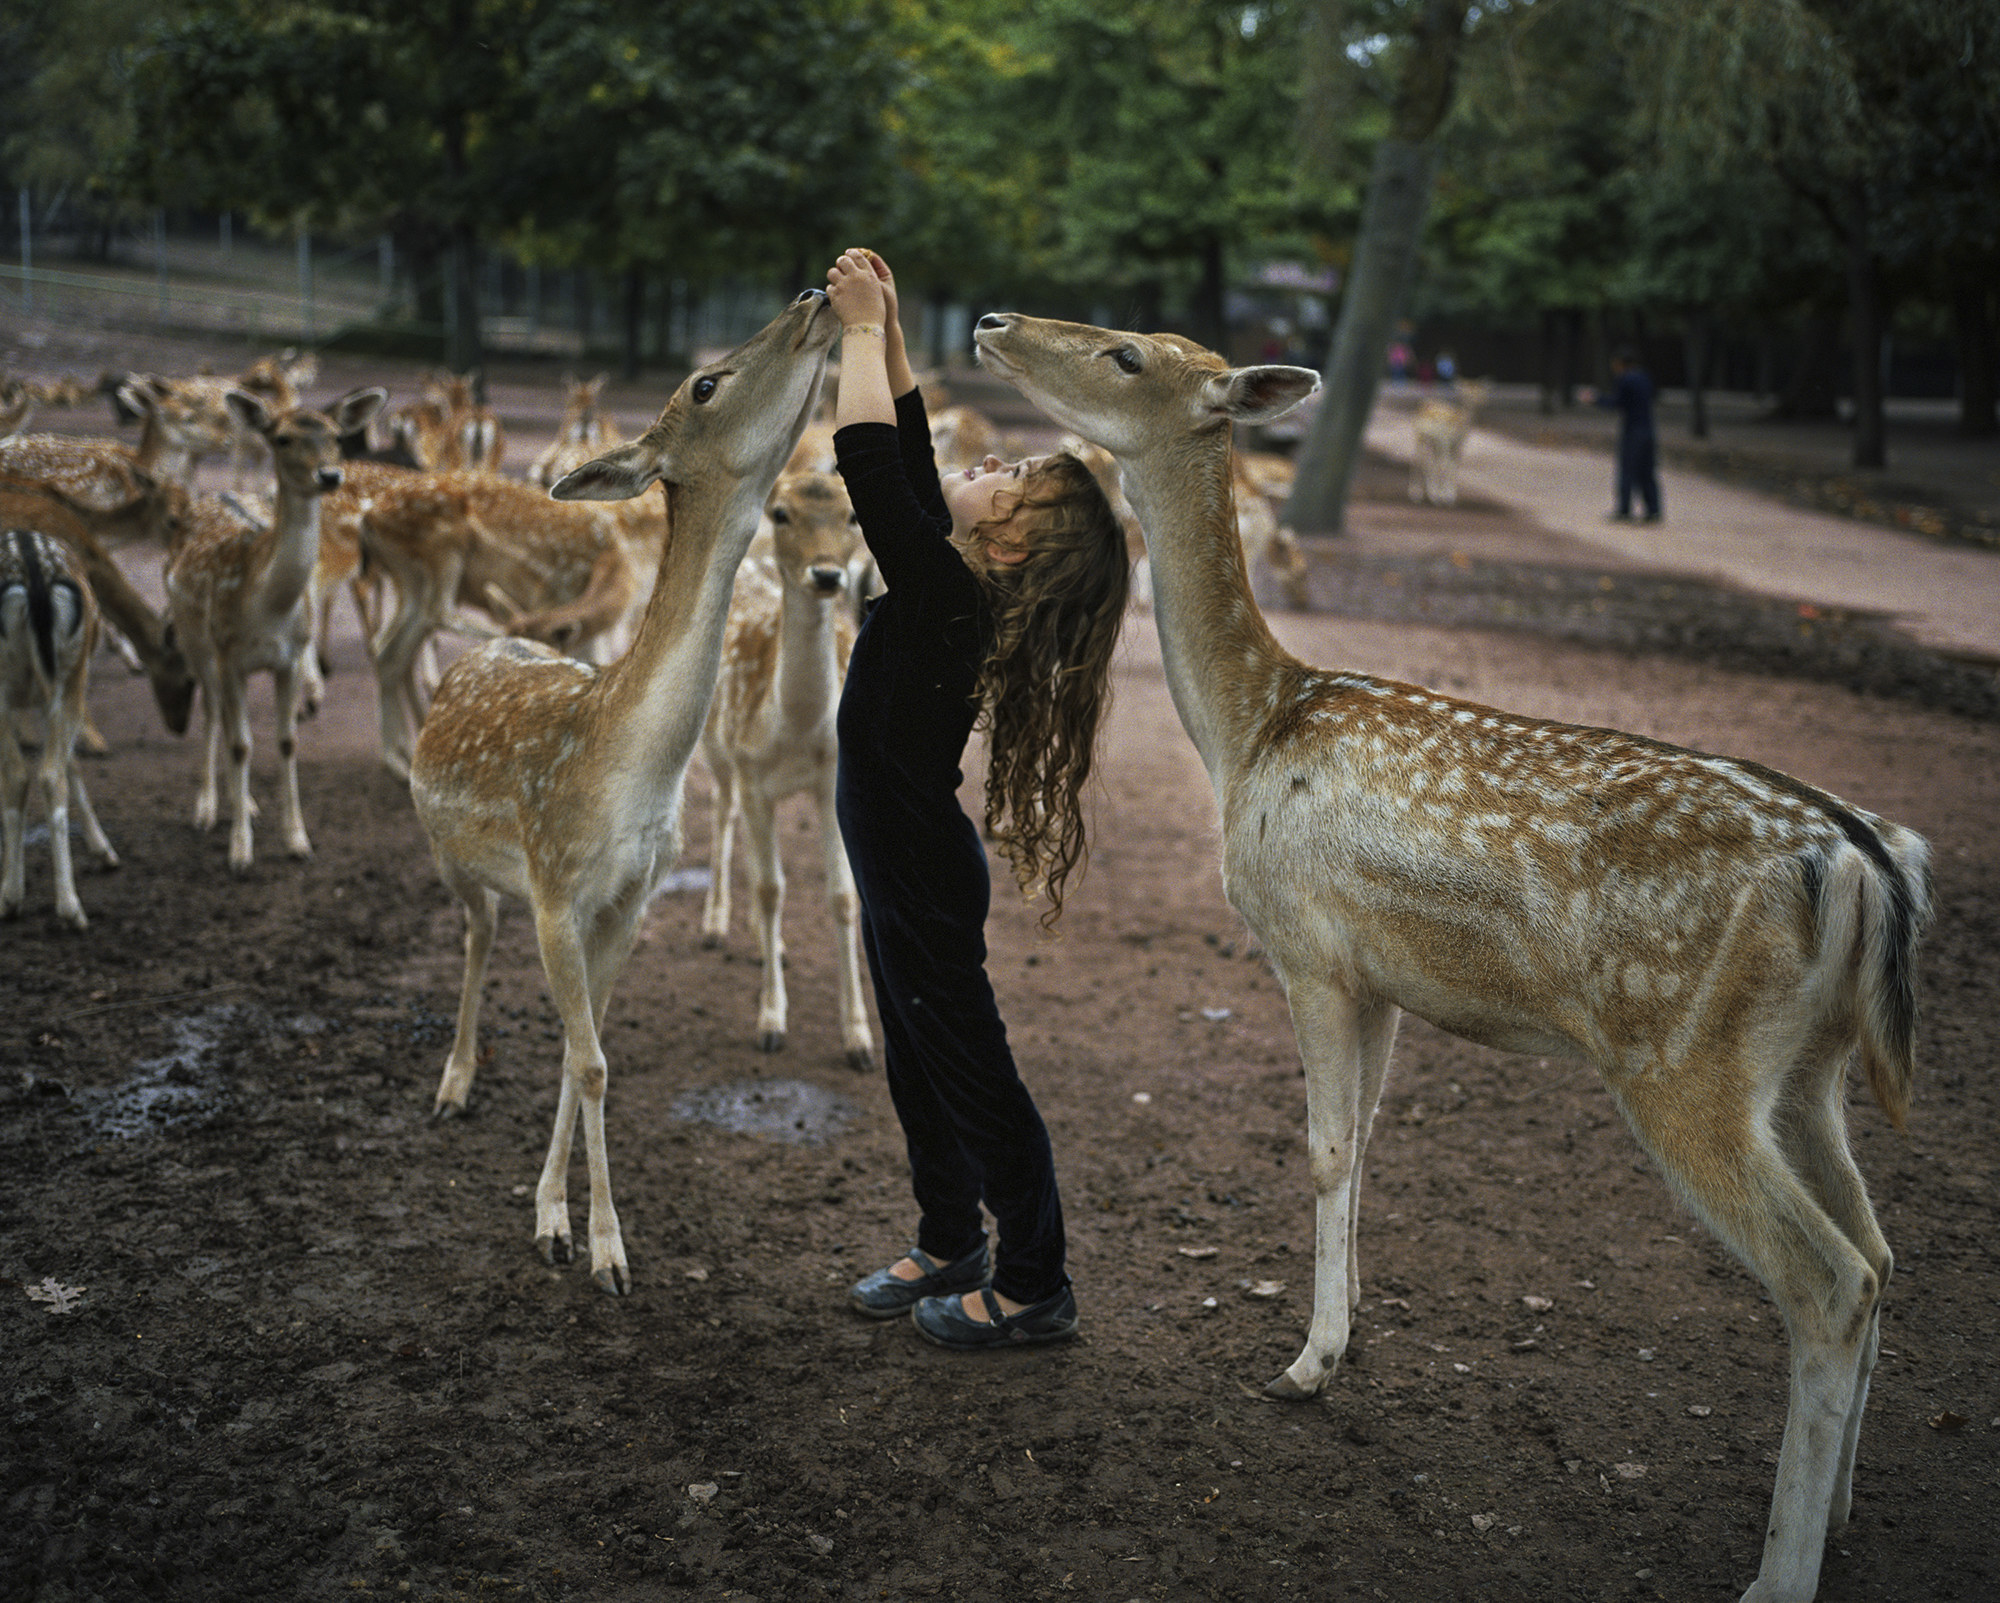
{"x":17,"y":405}
{"x":1717,"y":938}
{"x":237,"y":592}
{"x":446,"y":427}
{"x":1441,"y":427}
{"x":547,"y":779}
{"x":147,"y":509}
{"x":48,"y":628}
{"x":584,"y":432}
{"x":95,"y":473}
{"x":449,"y":540}
{"x":770,"y":735}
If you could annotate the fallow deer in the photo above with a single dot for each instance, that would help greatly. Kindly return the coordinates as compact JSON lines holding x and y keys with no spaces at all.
{"x":237,"y":591}
{"x":543,"y":778}
{"x":584,"y":432}
{"x":96,"y":472}
{"x":447,"y":540}
{"x":770,"y":735}
{"x":1441,"y":427}
{"x":447,"y":428}
{"x":151,"y":509}
{"x":1717,"y":938}
{"x":48,"y":628}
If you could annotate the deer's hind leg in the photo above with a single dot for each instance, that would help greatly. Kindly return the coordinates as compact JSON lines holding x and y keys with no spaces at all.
{"x":1716,"y":1133}
{"x":1812,"y":1127}
{"x":482,"y":917}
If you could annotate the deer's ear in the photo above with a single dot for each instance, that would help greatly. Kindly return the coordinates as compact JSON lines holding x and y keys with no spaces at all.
{"x":615,"y":476}
{"x":1260,"y":394}
{"x":247,"y":410}
{"x":357,"y":409}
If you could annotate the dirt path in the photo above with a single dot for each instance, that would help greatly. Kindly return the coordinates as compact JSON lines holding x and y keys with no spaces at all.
{"x":314,"y":1356}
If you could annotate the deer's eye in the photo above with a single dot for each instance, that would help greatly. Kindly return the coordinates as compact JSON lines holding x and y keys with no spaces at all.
{"x":703,"y":389}
{"x":780,"y":515}
{"x":1126,"y":358}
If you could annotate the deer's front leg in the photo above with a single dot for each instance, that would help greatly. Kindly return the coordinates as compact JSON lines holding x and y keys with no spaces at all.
{"x":235,"y":721}
{"x":722,"y":835}
{"x":767,"y":907}
{"x":287,"y":684}
{"x":206,"y":806}
{"x":1338,"y":1037}
{"x":563,"y":961}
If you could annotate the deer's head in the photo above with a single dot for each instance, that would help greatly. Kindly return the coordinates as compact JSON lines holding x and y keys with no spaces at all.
{"x":1132,"y":393}
{"x":305,"y":445}
{"x":732,"y":421}
{"x":815,"y":535}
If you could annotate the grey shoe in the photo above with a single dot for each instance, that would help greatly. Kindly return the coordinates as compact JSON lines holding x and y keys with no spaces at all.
{"x":943,"y":1320}
{"x":884,"y":1295}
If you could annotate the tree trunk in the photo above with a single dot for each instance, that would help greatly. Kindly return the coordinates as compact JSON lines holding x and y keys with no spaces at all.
{"x":632,"y":324}
{"x":1972,"y":308}
{"x":1392,"y":225}
{"x":1211,"y":326}
{"x":463,"y":350}
{"x":1696,"y":345}
{"x":1810,"y":389}
{"x":1866,"y":313}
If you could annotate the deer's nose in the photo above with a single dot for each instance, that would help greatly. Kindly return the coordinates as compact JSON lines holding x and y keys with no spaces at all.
{"x":994,"y":320}
{"x":809,"y":295}
{"x":827,"y":581}
{"x":329,"y":478}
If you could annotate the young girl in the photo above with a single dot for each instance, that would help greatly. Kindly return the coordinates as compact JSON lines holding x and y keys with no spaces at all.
{"x":1006,"y":586}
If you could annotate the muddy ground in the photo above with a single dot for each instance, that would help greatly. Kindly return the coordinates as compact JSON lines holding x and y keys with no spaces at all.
{"x":314,"y":1356}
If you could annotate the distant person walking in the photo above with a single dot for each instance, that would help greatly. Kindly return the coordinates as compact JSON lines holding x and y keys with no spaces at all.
{"x":1631,"y":394}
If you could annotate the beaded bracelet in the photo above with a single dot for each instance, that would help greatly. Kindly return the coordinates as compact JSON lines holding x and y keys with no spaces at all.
{"x":866,"y":328}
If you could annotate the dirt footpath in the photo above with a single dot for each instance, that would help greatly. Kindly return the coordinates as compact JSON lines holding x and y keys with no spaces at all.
{"x":300,"y":1346}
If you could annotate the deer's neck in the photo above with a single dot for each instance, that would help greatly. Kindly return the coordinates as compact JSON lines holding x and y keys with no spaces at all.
{"x":808,"y":678}
{"x":157,"y":455}
{"x":654,"y":700}
{"x":294,"y":549}
{"x":1224,"y":668}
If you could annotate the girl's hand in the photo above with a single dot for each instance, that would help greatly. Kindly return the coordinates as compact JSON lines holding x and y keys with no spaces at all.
{"x":855,"y":290}
{"x":887,"y":279}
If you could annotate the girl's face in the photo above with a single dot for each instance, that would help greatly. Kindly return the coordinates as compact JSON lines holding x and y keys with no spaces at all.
{"x":981,"y":494}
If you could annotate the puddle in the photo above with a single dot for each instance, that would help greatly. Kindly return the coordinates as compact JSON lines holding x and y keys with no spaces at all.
{"x":780,"y":1110}
{"x":178,"y":1091}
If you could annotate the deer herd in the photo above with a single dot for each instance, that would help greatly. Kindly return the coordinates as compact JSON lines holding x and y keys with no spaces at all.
{"x":1717,"y":939}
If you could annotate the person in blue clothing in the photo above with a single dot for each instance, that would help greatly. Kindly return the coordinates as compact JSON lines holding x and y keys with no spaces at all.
{"x":1631,"y":394}
{"x":1006,"y":586}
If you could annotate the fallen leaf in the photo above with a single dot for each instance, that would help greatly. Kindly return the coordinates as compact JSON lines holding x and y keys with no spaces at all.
{"x":1945,"y":1421}
{"x":1537,"y":1305}
{"x":1198,"y":1252}
{"x":64,"y":1299}
{"x":1265,"y":1288}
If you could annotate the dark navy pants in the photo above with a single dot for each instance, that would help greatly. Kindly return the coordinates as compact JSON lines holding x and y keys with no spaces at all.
{"x":1638,"y":473}
{"x":974,"y":1133}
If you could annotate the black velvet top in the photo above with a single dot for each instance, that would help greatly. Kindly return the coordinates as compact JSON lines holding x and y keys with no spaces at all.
{"x":907,"y":709}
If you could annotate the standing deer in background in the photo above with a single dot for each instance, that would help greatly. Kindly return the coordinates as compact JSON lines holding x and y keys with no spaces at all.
{"x":543,"y":778}
{"x":447,"y":427}
{"x":48,"y":628}
{"x":1717,"y":938}
{"x":96,"y":472}
{"x":1441,"y":428}
{"x":237,"y":592}
{"x":583,"y":433}
{"x":770,"y":735}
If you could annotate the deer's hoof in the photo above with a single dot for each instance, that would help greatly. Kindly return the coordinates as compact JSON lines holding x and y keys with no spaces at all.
{"x":861,"y":1058}
{"x":614,"y":1280}
{"x":1287,"y":1390}
{"x":771,"y":1041}
{"x":555,"y":1249}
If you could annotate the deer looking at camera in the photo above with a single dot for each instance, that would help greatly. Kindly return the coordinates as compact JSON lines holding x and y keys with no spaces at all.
{"x":544,"y":778}
{"x":48,"y":628}
{"x":237,"y":591}
{"x":770,"y":735}
{"x":1717,"y":938}
{"x":584,"y":432}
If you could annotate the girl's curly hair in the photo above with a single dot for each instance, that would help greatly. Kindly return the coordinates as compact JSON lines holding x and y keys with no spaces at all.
{"x":1046,"y":681}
